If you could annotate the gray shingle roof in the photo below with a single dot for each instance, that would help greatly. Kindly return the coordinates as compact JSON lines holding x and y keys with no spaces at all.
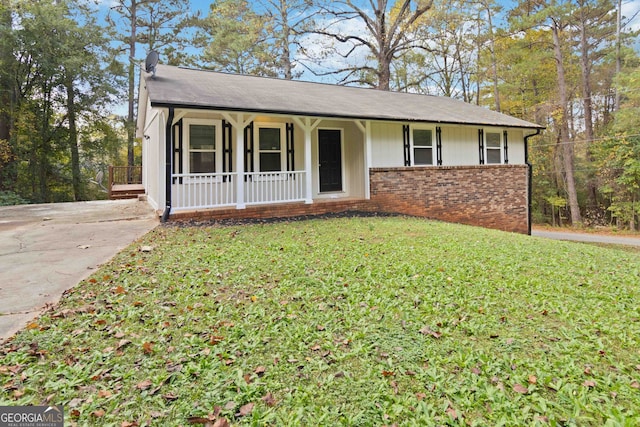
{"x":182,"y":87}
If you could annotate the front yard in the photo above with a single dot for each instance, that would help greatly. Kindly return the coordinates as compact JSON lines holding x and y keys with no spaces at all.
{"x":349,"y":321}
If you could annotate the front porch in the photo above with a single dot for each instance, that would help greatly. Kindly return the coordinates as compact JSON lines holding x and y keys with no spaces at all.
{"x":191,"y":192}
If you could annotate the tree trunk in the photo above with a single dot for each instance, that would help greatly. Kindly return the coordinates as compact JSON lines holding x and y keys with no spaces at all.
{"x":494,"y":65}
{"x":567,"y":144}
{"x":616,"y":106}
{"x":131,"y":93}
{"x":73,"y":143}
{"x":587,"y":103}
{"x":286,"y":33}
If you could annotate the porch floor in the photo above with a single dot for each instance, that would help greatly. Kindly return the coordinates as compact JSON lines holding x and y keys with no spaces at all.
{"x":281,"y":210}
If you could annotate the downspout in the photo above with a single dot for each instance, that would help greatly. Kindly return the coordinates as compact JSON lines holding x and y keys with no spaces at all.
{"x":530,"y":178}
{"x":168,"y":157}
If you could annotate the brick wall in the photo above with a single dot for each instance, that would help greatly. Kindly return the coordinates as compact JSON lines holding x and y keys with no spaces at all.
{"x":492,"y":196}
{"x":282,"y":210}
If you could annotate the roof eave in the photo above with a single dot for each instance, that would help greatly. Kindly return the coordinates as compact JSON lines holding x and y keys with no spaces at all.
{"x":331,"y":116}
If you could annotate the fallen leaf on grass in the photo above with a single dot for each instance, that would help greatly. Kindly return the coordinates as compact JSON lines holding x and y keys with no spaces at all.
{"x":221,"y":422}
{"x":519,"y":388}
{"x":635,"y":384}
{"x":452,"y":413}
{"x":426,"y":330}
{"x":144,"y":385}
{"x":99,"y":413}
{"x":147,"y":347}
{"x":105,"y":393}
{"x":260,"y":370}
{"x":215,"y":339}
{"x":269,"y":400}
{"x":589,"y":383}
{"x":129,"y":424}
{"x":533,"y":379}
{"x":246,"y":409}
{"x":394,"y":386}
{"x":122,"y":343}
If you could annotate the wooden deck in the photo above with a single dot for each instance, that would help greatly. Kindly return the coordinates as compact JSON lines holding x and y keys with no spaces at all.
{"x":125,"y":191}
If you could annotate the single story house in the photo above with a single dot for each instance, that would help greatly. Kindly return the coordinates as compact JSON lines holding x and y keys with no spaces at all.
{"x":222,"y":145}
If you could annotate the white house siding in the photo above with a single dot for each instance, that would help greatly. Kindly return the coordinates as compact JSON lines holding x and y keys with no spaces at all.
{"x":354,"y":160}
{"x":386,"y":145}
{"x":153,"y":156}
{"x":460,"y":146}
{"x":516,"y":147}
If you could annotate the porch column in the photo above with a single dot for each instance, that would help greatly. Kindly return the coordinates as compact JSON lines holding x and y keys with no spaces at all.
{"x":366,"y":130}
{"x":308,"y":127}
{"x":239,"y":123}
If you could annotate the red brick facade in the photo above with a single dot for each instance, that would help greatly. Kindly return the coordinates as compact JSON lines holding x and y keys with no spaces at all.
{"x":492,"y":196}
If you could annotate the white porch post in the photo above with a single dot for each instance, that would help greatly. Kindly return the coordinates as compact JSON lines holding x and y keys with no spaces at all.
{"x":239,"y":123}
{"x":366,"y":130}
{"x":308,"y":127}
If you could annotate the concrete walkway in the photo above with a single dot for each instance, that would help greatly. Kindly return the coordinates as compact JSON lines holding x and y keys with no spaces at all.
{"x":46,"y":249}
{"x":587,"y":237}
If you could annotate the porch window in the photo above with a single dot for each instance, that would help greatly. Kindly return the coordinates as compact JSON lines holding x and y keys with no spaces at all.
{"x":422,"y":146}
{"x":493,"y":147}
{"x":270,"y":154}
{"x":202,"y":139}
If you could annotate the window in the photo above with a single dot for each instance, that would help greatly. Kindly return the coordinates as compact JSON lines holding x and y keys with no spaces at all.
{"x":493,"y":147}
{"x":203,"y":139}
{"x":270,"y":147}
{"x":422,"y":146}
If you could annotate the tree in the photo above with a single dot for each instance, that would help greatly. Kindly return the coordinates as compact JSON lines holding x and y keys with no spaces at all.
{"x":595,"y":29}
{"x":553,"y":15}
{"x":155,"y":23}
{"x":235,"y":39}
{"x":7,"y":97}
{"x":447,"y":38}
{"x":618,"y":156}
{"x":288,"y":21}
{"x":383,"y":31}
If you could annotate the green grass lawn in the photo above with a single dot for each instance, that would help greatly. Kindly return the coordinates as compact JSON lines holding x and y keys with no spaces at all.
{"x":351,"y":321}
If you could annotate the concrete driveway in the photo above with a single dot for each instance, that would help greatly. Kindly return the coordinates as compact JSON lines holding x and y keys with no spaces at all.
{"x":46,"y":249}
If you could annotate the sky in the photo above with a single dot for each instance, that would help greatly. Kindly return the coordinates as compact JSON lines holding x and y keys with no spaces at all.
{"x":630,"y":8}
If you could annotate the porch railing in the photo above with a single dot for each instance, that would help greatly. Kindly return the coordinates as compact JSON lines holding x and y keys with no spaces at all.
{"x":202,"y":191}
{"x":125,"y":175}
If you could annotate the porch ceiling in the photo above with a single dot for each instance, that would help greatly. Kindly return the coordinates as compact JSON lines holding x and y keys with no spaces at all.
{"x":176,"y":86}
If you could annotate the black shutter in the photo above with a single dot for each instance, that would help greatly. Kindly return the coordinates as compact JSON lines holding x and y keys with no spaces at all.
{"x":506,"y":147}
{"x":481,"y":145}
{"x":290,"y":148}
{"x":248,"y":149}
{"x":439,"y":145}
{"x":227,"y":149}
{"x":407,"y":145}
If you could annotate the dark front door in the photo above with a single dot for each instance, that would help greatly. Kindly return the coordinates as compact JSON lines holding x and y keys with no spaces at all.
{"x":330,"y":158}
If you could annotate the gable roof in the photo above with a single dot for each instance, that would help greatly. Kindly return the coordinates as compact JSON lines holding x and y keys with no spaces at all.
{"x":200,"y":89}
